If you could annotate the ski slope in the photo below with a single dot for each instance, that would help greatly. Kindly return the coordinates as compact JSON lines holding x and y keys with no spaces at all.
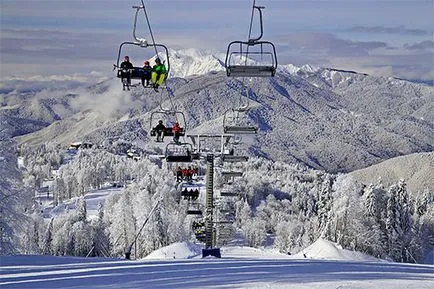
{"x":94,"y":200}
{"x":180,"y":266}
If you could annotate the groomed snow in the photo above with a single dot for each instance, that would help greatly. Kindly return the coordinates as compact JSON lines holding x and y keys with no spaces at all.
{"x":239,"y":267}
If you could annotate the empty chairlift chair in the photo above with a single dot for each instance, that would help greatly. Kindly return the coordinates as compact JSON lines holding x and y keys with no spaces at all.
{"x":254,"y":57}
{"x":232,"y":174}
{"x":195,"y":212}
{"x":179,"y":152}
{"x":234,"y":159}
{"x":194,"y":209}
{"x":228,"y":194}
{"x":236,"y":121}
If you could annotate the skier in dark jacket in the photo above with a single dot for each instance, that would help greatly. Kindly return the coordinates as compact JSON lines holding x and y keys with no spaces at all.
{"x":147,"y":72}
{"x":126,"y":67}
{"x":159,"y":129}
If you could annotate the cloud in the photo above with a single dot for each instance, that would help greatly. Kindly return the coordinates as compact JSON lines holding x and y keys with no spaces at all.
{"x":327,"y":44}
{"x":32,"y":52}
{"x":37,"y":83}
{"x":409,"y":61}
{"x":390,"y":30}
{"x":427,"y":44}
{"x":110,"y":102}
{"x":107,"y":98}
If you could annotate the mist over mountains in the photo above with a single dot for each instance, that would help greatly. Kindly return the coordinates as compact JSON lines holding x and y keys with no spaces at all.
{"x":329,"y":119}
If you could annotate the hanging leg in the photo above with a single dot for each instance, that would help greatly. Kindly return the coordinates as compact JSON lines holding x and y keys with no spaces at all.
{"x":161,"y":79}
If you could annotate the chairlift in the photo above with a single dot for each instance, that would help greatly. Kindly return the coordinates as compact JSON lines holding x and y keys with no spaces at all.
{"x":254,"y":57}
{"x":169,"y":117}
{"x":228,"y":154}
{"x":179,"y":152}
{"x":235,"y":121}
{"x":194,"y":209}
{"x":227,"y":194}
{"x":200,"y":236}
{"x":190,"y":194}
{"x":234,"y":159}
{"x":232,"y":174}
{"x":136,"y":72}
{"x":198,"y":224}
{"x":195,"y":212}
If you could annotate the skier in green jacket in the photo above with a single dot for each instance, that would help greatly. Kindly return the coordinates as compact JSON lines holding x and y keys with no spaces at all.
{"x":159,"y":73}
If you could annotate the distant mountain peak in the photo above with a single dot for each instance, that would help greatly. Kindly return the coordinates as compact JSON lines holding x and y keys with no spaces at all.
{"x":189,"y":62}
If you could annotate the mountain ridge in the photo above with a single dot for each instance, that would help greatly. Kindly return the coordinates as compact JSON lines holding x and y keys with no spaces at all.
{"x":328,"y":119}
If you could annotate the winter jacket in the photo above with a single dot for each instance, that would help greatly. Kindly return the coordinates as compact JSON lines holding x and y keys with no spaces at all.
{"x":160,"y":127}
{"x":127,"y":65}
{"x":147,"y":71}
{"x":176,"y":128}
{"x":159,"y":69}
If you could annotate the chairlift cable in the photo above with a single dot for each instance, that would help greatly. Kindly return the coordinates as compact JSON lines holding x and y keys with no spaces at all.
{"x":250,"y":29}
{"x":156,"y":51}
{"x":149,"y":26}
{"x":251,"y":19}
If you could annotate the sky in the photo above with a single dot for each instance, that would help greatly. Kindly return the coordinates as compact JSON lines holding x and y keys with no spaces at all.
{"x":66,"y":37}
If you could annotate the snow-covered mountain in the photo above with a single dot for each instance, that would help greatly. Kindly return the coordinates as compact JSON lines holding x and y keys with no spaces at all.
{"x":416,"y":169}
{"x":326,"y":118}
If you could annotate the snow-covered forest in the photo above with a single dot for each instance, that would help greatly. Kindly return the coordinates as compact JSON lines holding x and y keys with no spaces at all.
{"x":288,"y":203}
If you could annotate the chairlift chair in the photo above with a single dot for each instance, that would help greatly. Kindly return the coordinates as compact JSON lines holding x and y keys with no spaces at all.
{"x":138,"y":72}
{"x":254,"y":57}
{"x":235,"y":121}
{"x":232,"y":174}
{"x":179,"y":152}
{"x":198,"y":225}
{"x":190,"y":194}
{"x":195,"y":212}
{"x":234,"y":159}
{"x":228,"y":194}
{"x":169,"y":116}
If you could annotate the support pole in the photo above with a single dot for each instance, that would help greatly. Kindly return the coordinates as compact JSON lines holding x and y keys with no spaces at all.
{"x":209,"y":208}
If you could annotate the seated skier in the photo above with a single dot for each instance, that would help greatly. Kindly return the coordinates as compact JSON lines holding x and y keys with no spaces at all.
{"x":147,"y":72}
{"x":176,"y":129}
{"x":159,"y":73}
{"x":126,"y":67}
{"x":159,"y":129}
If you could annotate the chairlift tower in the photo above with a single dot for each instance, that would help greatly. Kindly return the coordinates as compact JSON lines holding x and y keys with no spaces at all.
{"x":210,"y":155}
{"x":210,"y":249}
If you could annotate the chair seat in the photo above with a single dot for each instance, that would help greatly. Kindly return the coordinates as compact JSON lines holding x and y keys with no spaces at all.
{"x":250,"y":71}
{"x":241,"y":129}
{"x":234,"y":159}
{"x":179,"y":159}
{"x":167,"y":132}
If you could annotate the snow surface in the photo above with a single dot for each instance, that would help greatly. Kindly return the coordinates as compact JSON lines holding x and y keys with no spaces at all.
{"x":323,"y":249}
{"x":239,"y":267}
{"x":416,"y":169}
{"x":94,"y":200}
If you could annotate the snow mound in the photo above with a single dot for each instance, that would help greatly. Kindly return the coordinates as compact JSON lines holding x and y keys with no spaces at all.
{"x":249,"y":252}
{"x":179,"y":250}
{"x":323,"y":249}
